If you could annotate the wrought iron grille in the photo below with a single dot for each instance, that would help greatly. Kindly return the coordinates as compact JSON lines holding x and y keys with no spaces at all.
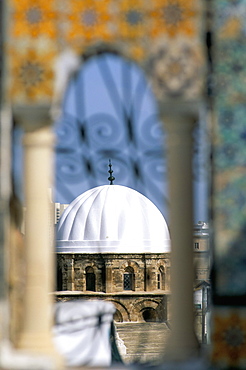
{"x":110,"y":112}
{"x":128,"y":281}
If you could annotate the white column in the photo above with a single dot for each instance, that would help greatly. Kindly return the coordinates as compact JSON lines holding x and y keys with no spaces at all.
{"x":36,"y":334}
{"x":182,"y":343}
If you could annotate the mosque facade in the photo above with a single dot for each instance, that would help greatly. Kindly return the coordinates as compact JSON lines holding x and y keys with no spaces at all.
{"x":113,"y":244}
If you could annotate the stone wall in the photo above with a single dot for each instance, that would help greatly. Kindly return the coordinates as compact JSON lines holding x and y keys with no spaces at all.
{"x":148,"y":300}
{"x":109,"y":270}
{"x":130,"y":307}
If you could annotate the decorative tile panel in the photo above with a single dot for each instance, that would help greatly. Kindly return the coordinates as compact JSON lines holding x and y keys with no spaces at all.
{"x":145,"y":32}
{"x":33,"y":19}
{"x":230,"y":151}
{"x":229,"y":338}
{"x":31,"y":75}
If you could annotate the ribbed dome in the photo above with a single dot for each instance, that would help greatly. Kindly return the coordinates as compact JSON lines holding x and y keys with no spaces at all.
{"x":112,"y":218}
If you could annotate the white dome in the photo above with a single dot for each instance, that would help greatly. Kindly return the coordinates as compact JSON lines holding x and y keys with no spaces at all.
{"x":112,"y":218}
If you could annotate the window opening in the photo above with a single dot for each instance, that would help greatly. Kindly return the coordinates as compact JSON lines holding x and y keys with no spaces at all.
{"x":158,"y":281}
{"x":161,"y":278}
{"x":129,"y":279}
{"x":90,"y":279}
{"x":59,"y":277}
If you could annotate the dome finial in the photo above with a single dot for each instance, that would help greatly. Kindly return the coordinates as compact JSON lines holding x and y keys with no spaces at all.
{"x":111,"y":178}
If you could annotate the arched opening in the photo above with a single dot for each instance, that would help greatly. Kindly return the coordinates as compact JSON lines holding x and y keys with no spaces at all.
{"x":118,"y":120}
{"x":121,"y":314}
{"x":90,"y":279}
{"x":129,"y":279}
{"x":118,"y":316}
{"x":149,"y":315}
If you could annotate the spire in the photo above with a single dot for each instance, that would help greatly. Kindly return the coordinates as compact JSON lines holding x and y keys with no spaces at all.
{"x":111,"y":178}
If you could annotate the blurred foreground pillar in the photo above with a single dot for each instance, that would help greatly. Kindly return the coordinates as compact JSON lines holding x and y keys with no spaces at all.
{"x":39,"y":264}
{"x":182,"y":343}
{"x":36,"y":335}
{"x":5,"y":193}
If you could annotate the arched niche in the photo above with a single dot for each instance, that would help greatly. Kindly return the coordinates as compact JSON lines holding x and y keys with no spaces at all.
{"x":146,"y":309}
{"x":118,"y":316}
{"x":149,"y":314}
{"x":122,"y":310}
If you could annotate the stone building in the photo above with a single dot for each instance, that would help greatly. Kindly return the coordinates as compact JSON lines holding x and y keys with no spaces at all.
{"x":113,"y":243}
